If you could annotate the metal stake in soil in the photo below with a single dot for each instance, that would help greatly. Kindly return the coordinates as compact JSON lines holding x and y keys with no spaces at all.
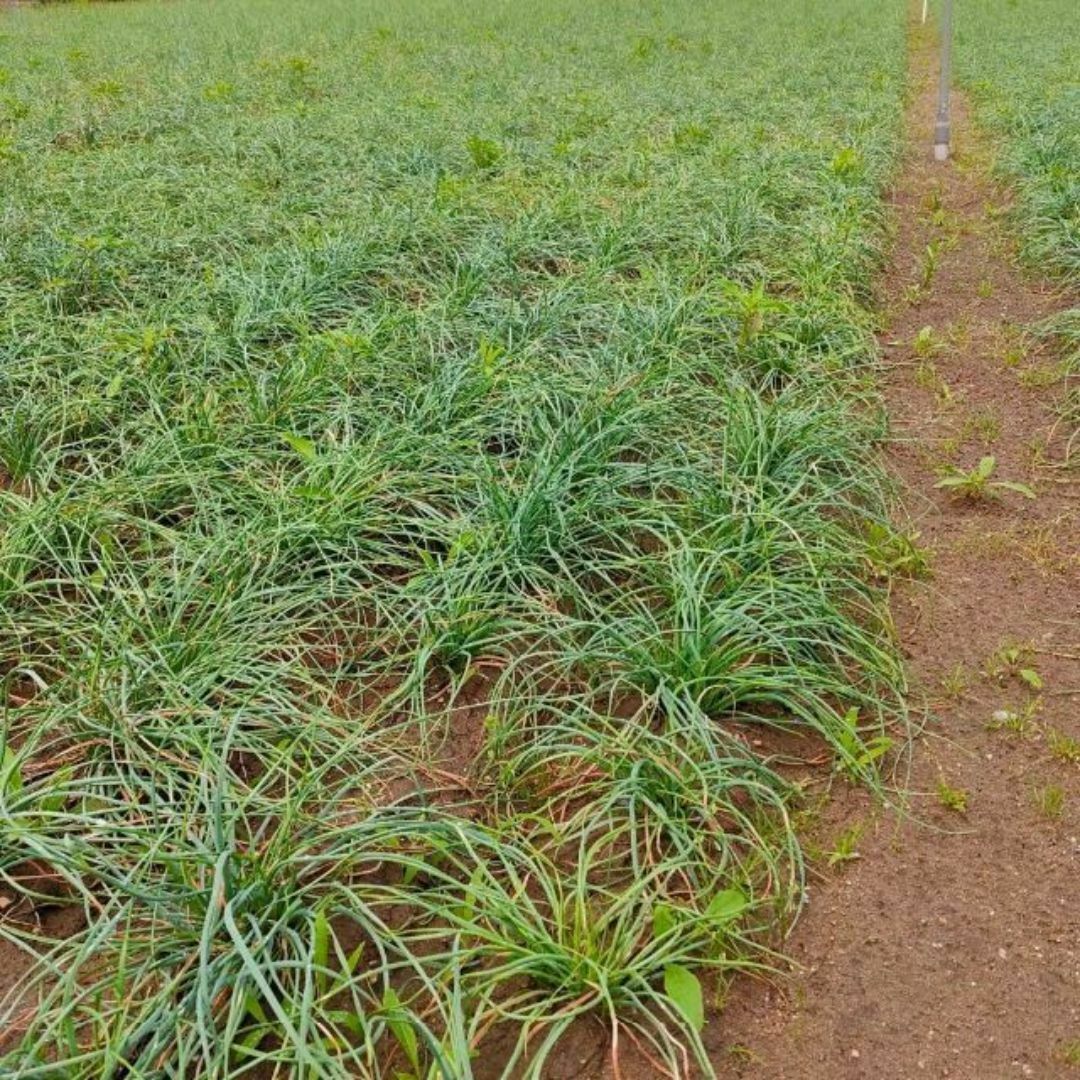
{"x":941,"y":128}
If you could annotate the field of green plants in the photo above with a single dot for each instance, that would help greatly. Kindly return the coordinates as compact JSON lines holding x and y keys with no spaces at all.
{"x":437,"y":490}
{"x":1021,"y":63}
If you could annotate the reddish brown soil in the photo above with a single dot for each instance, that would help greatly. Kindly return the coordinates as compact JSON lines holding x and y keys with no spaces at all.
{"x":951,"y":947}
{"x":50,"y":923}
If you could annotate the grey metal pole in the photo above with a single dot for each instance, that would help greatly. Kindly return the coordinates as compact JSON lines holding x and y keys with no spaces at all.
{"x":941,"y":128}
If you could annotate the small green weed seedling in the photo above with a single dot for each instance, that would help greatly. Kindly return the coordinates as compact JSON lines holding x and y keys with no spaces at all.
{"x":845,"y":848}
{"x":1049,"y":801}
{"x":928,"y":267}
{"x":955,"y":683}
{"x":744,"y":1055}
{"x":750,"y":307}
{"x":927,"y":343}
{"x":1013,"y":722}
{"x":926,"y":376}
{"x":858,"y":755}
{"x":1064,"y":747}
{"x":958,"y":333}
{"x":949,"y":447}
{"x":954,"y":799}
{"x":895,"y":554}
{"x":1041,"y":376}
{"x":1014,"y":349}
{"x":929,"y":378}
{"x":1031,"y":678}
{"x":976,"y":484}
{"x":1014,"y":661}
{"x":983,"y":425}
{"x":1069,"y":1053}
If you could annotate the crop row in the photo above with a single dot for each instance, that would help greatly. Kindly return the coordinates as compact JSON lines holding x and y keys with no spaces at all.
{"x":440,"y":520}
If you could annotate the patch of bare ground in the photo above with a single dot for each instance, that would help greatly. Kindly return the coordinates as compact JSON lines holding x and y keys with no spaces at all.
{"x":951,"y":946}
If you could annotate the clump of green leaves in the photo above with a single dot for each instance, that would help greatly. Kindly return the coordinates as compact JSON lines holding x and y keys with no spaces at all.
{"x":977,"y":484}
{"x":892,"y":553}
{"x":1014,"y":660}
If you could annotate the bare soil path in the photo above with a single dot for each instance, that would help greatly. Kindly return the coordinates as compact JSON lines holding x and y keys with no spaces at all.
{"x":951,"y":946}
